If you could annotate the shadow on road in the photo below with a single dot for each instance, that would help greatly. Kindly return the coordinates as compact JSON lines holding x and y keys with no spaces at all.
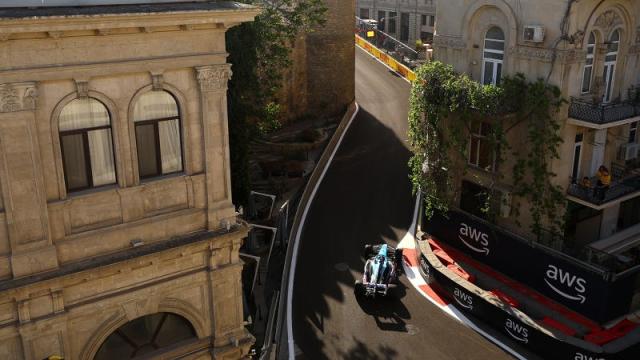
{"x":365,"y":198}
{"x":364,"y":351}
{"x":388,"y":312}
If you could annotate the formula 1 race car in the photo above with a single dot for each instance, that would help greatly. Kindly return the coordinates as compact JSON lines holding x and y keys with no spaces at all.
{"x":380,"y":271}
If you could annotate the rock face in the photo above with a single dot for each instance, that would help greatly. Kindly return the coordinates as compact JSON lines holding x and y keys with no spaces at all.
{"x":322,"y":78}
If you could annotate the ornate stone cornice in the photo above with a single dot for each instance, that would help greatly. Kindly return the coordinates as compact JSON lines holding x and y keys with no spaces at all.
{"x":453,"y":42}
{"x":214,"y":77}
{"x":17,"y":97}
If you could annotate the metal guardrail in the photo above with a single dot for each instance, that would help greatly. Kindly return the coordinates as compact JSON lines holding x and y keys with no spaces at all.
{"x":600,"y":114}
{"x":367,"y":29}
{"x":273,"y":350}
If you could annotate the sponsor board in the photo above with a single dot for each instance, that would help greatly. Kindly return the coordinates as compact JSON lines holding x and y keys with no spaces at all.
{"x":574,"y":286}
{"x":474,"y":238}
{"x":579,"y":287}
{"x":528,"y":337}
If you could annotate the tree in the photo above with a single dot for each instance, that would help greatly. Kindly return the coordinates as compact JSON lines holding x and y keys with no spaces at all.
{"x":259,"y":53}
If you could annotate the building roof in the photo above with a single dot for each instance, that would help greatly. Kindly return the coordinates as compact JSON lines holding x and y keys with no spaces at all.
{"x":106,"y":7}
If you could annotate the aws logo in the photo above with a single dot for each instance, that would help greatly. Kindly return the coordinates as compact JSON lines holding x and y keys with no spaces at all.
{"x":581,"y":356}
{"x":465,"y":300}
{"x":474,"y":239}
{"x":517,"y":331}
{"x":575,"y":284}
{"x":424,"y":267}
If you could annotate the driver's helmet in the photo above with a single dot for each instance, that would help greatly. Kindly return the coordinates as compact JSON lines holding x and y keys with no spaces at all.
{"x":380,"y":258}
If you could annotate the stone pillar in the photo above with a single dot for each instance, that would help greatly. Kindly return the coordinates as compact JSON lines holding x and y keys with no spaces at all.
{"x":597,"y":157}
{"x":609,"y":224}
{"x":213,"y":101}
{"x":225,"y":278}
{"x":22,"y":181}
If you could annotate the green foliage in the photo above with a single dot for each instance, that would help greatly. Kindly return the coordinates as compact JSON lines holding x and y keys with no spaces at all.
{"x":443,"y":108}
{"x":259,"y":53}
{"x":270,"y":122}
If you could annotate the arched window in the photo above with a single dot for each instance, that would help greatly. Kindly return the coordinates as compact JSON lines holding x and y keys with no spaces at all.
{"x":145,"y":335}
{"x":587,"y":75}
{"x":87,"y":147}
{"x":493,"y":56}
{"x":610,"y":61}
{"x":158,"y":136}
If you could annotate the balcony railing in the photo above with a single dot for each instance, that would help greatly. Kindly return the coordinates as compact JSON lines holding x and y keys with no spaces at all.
{"x":602,"y":113}
{"x":626,"y":180}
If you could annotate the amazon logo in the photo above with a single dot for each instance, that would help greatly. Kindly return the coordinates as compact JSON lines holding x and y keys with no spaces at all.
{"x":566,"y":284}
{"x":463,"y":299}
{"x":517,"y":331}
{"x":474,"y":239}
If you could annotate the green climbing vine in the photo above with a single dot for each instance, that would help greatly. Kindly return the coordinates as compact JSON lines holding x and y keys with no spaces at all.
{"x":444,"y":109}
{"x":259,"y":52}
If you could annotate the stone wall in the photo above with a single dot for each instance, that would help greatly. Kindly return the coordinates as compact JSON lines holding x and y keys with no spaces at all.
{"x":331,"y":60}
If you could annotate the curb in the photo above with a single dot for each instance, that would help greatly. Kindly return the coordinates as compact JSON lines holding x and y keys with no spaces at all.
{"x":288,"y":277}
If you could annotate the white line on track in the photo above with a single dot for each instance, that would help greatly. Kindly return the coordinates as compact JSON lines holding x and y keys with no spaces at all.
{"x":385,"y":65}
{"x":296,"y":240}
{"x":414,"y":277}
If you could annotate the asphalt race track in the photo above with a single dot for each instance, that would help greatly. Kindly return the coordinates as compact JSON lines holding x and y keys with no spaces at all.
{"x":366,"y":197}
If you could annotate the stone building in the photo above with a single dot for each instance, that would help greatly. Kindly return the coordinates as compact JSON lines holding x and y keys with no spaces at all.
{"x":119,"y":237}
{"x":591,"y":51}
{"x":406,"y":20}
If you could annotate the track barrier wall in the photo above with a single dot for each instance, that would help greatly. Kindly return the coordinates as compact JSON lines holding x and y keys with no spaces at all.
{"x":396,"y":66}
{"x":505,"y":320}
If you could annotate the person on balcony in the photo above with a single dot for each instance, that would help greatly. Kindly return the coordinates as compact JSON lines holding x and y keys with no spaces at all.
{"x":604,"y":181}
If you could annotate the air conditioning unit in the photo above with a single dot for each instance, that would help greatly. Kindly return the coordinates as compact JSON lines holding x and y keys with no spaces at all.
{"x":534,"y":33}
{"x":505,"y":199}
{"x":629,"y":151}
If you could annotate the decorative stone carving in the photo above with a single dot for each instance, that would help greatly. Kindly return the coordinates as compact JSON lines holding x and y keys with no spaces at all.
{"x":532,"y":53}
{"x":17,"y":97}
{"x":157,"y":81}
{"x":214,"y":78}
{"x":82,"y":87}
{"x":608,"y":20}
{"x":449,"y":41}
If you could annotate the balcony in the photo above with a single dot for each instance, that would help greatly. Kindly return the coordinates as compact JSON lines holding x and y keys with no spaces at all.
{"x":600,"y":116}
{"x":625,"y":184}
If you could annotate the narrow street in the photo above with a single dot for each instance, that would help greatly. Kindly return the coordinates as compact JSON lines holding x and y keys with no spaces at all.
{"x":366,"y":198}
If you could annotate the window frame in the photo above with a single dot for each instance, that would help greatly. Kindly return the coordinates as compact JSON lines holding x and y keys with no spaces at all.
{"x":495,"y":63}
{"x":86,"y":150}
{"x":156,"y":133}
{"x":589,"y":64}
{"x":610,"y":67}
{"x":477,"y":134}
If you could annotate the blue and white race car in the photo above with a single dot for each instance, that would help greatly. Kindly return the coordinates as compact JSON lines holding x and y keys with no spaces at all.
{"x":380,"y":270}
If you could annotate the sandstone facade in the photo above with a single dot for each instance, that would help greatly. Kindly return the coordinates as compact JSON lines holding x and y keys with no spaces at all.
{"x":591,"y":51}
{"x":77,"y":264}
